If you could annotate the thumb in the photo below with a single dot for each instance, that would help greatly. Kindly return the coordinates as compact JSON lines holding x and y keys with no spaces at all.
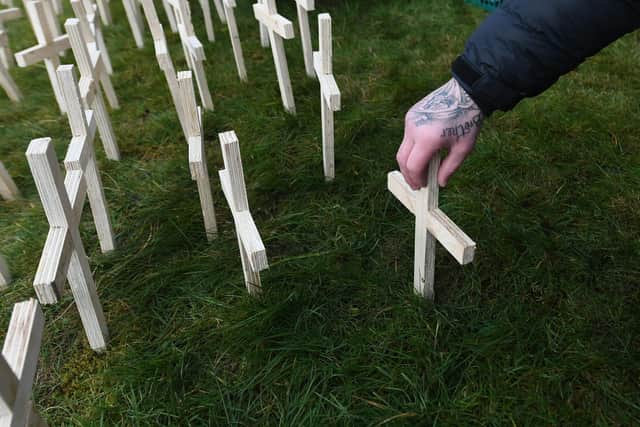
{"x":454,"y":159}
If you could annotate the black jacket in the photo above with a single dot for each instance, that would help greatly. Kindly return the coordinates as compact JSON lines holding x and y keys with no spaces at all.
{"x":523,"y":47}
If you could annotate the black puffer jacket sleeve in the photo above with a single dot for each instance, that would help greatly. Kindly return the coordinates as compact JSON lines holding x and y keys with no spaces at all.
{"x":524,"y":46}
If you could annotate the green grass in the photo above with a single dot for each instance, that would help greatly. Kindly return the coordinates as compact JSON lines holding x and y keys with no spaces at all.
{"x":542,"y":329}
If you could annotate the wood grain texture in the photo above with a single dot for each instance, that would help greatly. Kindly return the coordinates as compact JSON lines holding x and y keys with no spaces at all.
{"x":18,"y":364}
{"x":208,"y":20}
{"x":135,"y":21}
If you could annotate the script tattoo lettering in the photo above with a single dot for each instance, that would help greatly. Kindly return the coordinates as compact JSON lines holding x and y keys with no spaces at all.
{"x":448,"y":104}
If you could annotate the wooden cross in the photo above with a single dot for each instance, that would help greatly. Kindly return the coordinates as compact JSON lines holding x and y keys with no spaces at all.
{"x":431,"y":225}
{"x":91,"y":30}
{"x":52,"y":9}
{"x":208,"y":21}
{"x":304,"y":7}
{"x":329,"y":93}
{"x":252,"y":252}
{"x":134,"y":17}
{"x":102,"y":8}
{"x":8,"y":189}
{"x":48,"y":47}
{"x":278,"y":27}
{"x":229,"y":5}
{"x":18,"y":364}
{"x":7,"y":15}
{"x":63,"y":201}
{"x":163,"y":57}
{"x":197,"y":157}
{"x":193,"y":50}
{"x":5,"y":274}
{"x":92,"y":74}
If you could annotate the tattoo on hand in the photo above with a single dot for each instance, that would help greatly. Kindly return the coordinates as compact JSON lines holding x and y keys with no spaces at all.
{"x":448,"y":103}
{"x":462,"y":129}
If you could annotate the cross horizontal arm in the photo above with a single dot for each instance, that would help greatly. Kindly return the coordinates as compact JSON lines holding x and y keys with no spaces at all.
{"x":10,"y":15}
{"x":328,"y":84}
{"x":455,"y":241}
{"x":277,"y":23}
{"x":37,"y":53}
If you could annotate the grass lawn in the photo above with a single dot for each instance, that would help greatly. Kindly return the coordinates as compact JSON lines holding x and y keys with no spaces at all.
{"x":542,"y":329}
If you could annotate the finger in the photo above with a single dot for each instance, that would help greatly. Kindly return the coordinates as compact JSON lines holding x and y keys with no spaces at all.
{"x":418,"y":163}
{"x":403,"y":155}
{"x":452,"y":162}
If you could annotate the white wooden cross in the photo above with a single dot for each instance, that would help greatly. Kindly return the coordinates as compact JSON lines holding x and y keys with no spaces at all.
{"x":93,"y":74}
{"x":252,"y":252}
{"x":134,"y":17}
{"x":193,"y":50}
{"x":18,"y":364}
{"x":5,"y":274}
{"x":304,"y":7}
{"x":63,"y":253}
{"x":229,"y":5}
{"x":48,"y":47}
{"x":208,"y":20}
{"x":278,"y":27}
{"x":8,"y":189}
{"x":329,"y":93}
{"x":9,"y":85}
{"x":163,"y":57}
{"x":101,"y":6}
{"x":7,"y":15}
{"x":92,"y":30}
{"x":52,"y":9}
{"x":431,"y":224}
{"x":197,"y":158}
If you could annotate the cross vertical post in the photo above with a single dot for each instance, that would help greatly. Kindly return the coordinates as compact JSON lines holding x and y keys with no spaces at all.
{"x":5,"y":274}
{"x":197,"y":157}
{"x":278,"y":27}
{"x":329,"y":93}
{"x":92,"y":31}
{"x":304,"y":7}
{"x":252,"y":251}
{"x":208,"y":20}
{"x":229,"y":5}
{"x":6,"y":15}
{"x":135,"y":21}
{"x":92,"y":74}
{"x":18,"y":364}
{"x":431,"y":225}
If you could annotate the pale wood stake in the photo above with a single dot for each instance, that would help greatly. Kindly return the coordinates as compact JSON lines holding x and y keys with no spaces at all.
{"x":8,"y":189}
{"x":229,"y":5}
{"x":18,"y":364}
{"x":134,"y":17}
{"x":63,"y":252}
{"x":193,"y":50}
{"x":304,"y":7}
{"x":208,"y":20}
{"x":7,"y":15}
{"x":92,"y":74}
{"x":329,"y":93}
{"x":48,"y":48}
{"x":92,"y":31}
{"x":431,"y":225}
{"x":197,"y":157}
{"x":252,"y":251}
{"x":278,"y":27}
{"x":220,"y":10}
{"x":5,"y":273}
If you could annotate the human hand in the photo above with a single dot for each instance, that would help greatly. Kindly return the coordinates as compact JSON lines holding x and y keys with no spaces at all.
{"x":446,"y":118}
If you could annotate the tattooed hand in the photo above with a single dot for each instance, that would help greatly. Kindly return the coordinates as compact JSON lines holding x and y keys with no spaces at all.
{"x":446,"y":118}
